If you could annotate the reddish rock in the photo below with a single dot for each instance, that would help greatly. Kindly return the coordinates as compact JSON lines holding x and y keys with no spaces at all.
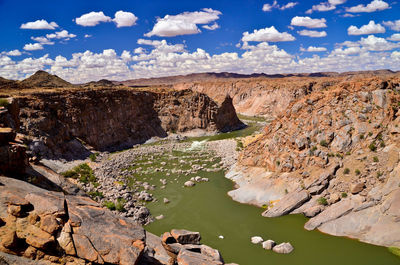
{"x":186,"y":237}
{"x":49,"y":224}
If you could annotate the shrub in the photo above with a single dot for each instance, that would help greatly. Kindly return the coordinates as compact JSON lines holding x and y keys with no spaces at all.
{"x":322,"y":201}
{"x":323,"y":143}
{"x":346,"y":170}
{"x":94,"y":194}
{"x":93,"y":156}
{"x":382,"y":144}
{"x":372,"y":147}
{"x":82,"y":172}
{"x":344,"y":194}
{"x":278,"y":163}
{"x":357,"y":171}
{"x":379,"y":174}
{"x":313,"y":149}
{"x":348,"y":153}
{"x":370,"y":134}
{"x":4,"y":102}
{"x":110,"y":205}
{"x":375,"y":159}
{"x":361,"y":136}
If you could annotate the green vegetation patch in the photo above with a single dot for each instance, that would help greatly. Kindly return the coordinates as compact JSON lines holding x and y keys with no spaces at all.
{"x":4,"y":102}
{"x":394,"y":250}
{"x":322,"y":201}
{"x":83,"y":173}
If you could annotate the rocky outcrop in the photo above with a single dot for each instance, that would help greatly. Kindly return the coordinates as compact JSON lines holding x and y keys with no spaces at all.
{"x":44,"y":80}
{"x":333,"y":156}
{"x":13,"y":158}
{"x":110,"y":119}
{"x":54,"y":228}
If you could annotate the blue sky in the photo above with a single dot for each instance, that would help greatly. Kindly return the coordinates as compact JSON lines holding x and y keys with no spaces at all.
{"x":90,"y":40}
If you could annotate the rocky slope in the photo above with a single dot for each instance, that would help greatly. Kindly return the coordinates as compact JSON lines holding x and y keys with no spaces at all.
{"x":113,"y":118}
{"x":332,"y":155}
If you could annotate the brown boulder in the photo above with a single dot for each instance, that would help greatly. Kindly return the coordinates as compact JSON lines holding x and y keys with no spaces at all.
{"x":186,"y":257}
{"x":186,"y":237}
{"x":356,"y":188}
{"x":49,"y":224}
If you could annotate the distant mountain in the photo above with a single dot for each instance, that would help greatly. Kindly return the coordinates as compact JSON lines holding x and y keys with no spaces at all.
{"x":100,"y":83}
{"x":170,"y":80}
{"x":44,"y":79}
{"x":6,"y":83}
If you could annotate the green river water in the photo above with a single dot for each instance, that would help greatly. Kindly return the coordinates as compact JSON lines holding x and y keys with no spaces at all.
{"x":208,"y":209}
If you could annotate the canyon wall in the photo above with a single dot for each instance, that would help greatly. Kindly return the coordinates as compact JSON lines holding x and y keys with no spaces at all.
{"x":111,"y":119}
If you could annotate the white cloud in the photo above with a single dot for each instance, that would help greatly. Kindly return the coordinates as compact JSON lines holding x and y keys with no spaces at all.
{"x":308,"y":22}
{"x":184,"y":23}
{"x":312,"y":33}
{"x":88,"y":36}
{"x":370,"y":28}
{"x":267,"y":34}
{"x":42,"y":40}
{"x":212,"y":27}
{"x":33,"y":47}
{"x":394,"y":37}
{"x":61,"y":35}
{"x":92,"y":19}
{"x":13,"y":53}
{"x":325,"y":6}
{"x":39,"y":24}
{"x":313,"y":49}
{"x":393,"y":25}
{"x":125,"y":19}
{"x":269,"y":7}
{"x":375,"y":5}
{"x":373,"y":43}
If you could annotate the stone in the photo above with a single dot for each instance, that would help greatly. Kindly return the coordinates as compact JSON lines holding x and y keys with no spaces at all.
{"x":356,"y":188}
{"x":283,"y":248}
{"x":186,"y":237}
{"x":334,"y":198}
{"x":189,"y":183}
{"x":268,"y":244}
{"x":9,"y":240}
{"x":155,"y":252}
{"x":15,"y":210}
{"x":211,"y":252}
{"x":313,"y":211}
{"x":84,"y":248}
{"x":66,"y":243}
{"x":49,"y":224}
{"x":165,"y":200}
{"x":287,"y":204}
{"x":186,"y":257}
{"x":256,"y":239}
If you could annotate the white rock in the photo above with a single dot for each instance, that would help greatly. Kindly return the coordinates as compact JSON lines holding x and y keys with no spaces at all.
{"x":189,"y":183}
{"x":221,"y":237}
{"x":159,"y":217}
{"x":269,"y":244}
{"x":256,"y":239}
{"x":283,"y":248}
{"x":166,"y":200}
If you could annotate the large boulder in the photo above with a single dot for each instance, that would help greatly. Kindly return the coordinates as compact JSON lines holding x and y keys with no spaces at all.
{"x":288,"y":203}
{"x":283,"y":248}
{"x":186,"y":237}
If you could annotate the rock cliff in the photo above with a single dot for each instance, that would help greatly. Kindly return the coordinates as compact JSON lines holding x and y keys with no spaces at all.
{"x":332,"y":155}
{"x":109,"y":119}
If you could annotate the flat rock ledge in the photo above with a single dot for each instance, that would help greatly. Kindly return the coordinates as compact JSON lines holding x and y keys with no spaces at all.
{"x":53,"y":228}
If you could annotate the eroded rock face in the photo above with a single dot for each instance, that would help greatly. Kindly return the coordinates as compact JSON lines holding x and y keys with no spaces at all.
{"x":117,"y":118}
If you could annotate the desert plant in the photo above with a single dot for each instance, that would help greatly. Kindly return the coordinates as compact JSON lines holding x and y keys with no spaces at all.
{"x":110,"y":205}
{"x":324,"y":143}
{"x":93,"y":157}
{"x":346,"y":170}
{"x":375,"y":159}
{"x":372,"y":147}
{"x":344,"y":194}
{"x":394,"y":250}
{"x":322,"y":201}
{"x":357,"y":171}
{"x":361,"y":136}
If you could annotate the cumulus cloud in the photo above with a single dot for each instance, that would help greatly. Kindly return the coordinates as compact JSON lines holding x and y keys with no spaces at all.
{"x":42,"y":40}
{"x":325,"y":6}
{"x":267,"y":34}
{"x":39,"y":24}
{"x":308,"y":22}
{"x":61,"y":35}
{"x":184,"y":23}
{"x":125,"y":19}
{"x":212,"y":27}
{"x":312,"y":33}
{"x":373,"y":43}
{"x":394,"y":37}
{"x":393,"y":25}
{"x":375,"y":5}
{"x":313,"y":49}
{"x":92,"y":19}
{"x":11,"y":53}
{"x":33,"y":47}
{"x":370,"y":28}
{"x":275,"y":5}
{"x":88,"y":36}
